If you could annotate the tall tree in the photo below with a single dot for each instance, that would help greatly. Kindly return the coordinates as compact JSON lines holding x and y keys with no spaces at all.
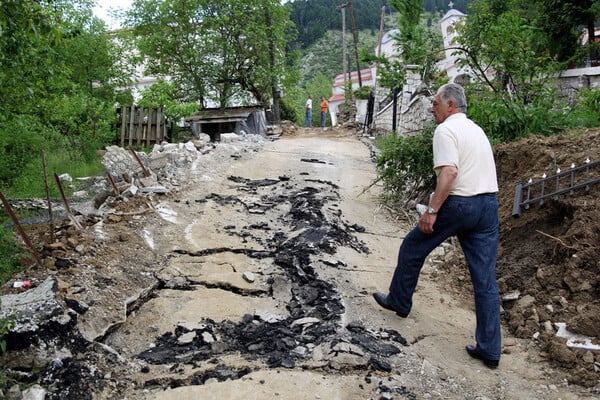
{"x":416,"y":44}
{"x":412,"y":34}
{"x":55,"y":66}
{"x":500,"y":41}
{"x":27,"y":42}
{"x":506,"y":48}
{"x":211,"y":50}
{"x":562,"y":22}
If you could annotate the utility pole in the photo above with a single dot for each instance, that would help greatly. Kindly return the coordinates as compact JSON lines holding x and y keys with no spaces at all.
{"x":344,"y":59}
{"x":355,"y":43}
{"x":381,"y":31}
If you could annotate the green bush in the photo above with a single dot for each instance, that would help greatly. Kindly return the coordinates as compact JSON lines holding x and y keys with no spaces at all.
{"x":21,"y":141}
{"x":85,"y":123}
{"x":405,"y":165}
{"x":81,"y":126}
{"x":586,"y":111}
{"x":287,"y":110}
{"x":363,"y":92}
{"x":506,"y":120}
{"x":30,"y":183}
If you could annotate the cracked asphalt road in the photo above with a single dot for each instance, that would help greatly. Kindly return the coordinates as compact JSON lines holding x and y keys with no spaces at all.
{"x":271,"y":254}
{"x":295,"y":215}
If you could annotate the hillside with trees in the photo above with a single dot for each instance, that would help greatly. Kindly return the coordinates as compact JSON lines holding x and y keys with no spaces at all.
{"x":313,"y":18}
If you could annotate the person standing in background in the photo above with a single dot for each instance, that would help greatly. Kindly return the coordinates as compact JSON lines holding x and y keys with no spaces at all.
{"x":308,"y":112}
{"x":324,"y":108}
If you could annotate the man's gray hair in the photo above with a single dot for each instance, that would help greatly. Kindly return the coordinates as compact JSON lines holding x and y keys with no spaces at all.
{"x":455,"y":92}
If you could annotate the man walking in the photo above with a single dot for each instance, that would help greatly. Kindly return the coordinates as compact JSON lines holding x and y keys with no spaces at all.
{"x":464,"y":204}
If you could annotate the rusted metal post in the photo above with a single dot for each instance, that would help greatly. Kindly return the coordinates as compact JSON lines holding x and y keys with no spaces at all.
{"x":66,"y":203}
{"x":112,"y":184}
{"x":144,"y":169}
{"x":572,"y":181}
{"x":50,"y":216}
{"x":22,"y":233}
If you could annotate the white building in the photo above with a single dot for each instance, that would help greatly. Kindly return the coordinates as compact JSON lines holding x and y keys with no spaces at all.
{"x":448,"y":24}
{"x":367,"y":77}
{"x":388,"y":48}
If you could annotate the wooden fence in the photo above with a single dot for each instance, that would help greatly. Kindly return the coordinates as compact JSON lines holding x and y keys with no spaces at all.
{"x":142,"y":126}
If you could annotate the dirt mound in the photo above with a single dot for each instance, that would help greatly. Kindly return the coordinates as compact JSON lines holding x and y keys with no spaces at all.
{"x":548,"y":265}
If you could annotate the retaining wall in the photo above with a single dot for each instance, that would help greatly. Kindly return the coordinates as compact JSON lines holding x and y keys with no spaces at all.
{"x":414,"y":102}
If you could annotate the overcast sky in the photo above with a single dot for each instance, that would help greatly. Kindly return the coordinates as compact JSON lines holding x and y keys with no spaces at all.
{"x":104,"y":6}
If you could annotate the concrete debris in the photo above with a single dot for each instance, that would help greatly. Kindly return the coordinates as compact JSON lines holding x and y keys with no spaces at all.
{"x":268,"y":316}
{"x":306,"y":321}
{"x":229,"y":137}
{"x":248,"y":276}
{"x":65,"y":178}
{"x":514,"y":295}
{"x":35,"y":392}
{"x":574,"y":340}
{"x":164,"y":165}
{"x":32,"y":308}
{"x":118,"y":162}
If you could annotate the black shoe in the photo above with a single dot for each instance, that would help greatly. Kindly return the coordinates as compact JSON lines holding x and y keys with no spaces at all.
{"x":381,"y":299}
{"x":473,"y":352}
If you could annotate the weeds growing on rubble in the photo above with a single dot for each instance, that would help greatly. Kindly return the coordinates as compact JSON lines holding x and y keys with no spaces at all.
{"x":6,"y":324}
{"x":30,"y":183}
{"x":9,"y":258}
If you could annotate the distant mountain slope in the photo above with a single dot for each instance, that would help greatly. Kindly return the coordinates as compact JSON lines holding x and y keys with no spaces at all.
{"x":326,"y":54}
{"x":315,"y":17}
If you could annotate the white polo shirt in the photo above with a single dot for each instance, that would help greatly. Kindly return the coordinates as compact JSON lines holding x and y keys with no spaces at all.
{"x":461,"y":143}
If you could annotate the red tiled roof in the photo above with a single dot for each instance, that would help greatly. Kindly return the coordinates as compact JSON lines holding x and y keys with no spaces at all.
{"x":337,"y":97}
{"x":365,"y":75}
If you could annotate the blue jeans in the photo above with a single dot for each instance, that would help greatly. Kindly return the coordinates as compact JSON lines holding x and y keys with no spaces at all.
{"x":474,"y":220}
{"x":308,"y":119}
{"x":323,"y":118}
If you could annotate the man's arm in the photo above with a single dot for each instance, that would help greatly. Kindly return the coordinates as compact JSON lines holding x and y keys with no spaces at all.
{"x":445,"y":181}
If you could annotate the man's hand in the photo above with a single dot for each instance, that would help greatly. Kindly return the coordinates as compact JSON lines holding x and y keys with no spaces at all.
{"x":426,"y":222}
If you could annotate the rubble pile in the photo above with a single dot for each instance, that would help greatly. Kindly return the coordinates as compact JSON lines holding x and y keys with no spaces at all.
{"x":87,"y":286}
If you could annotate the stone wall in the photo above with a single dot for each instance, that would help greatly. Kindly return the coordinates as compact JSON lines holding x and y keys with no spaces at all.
{"x":571,"y":80}
{"x":413,"y":106}
{"x":414,"y":102}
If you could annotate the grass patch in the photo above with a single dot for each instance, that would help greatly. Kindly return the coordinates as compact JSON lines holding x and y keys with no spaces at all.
{"x":31,"y":182}
{"x":10,"y":251}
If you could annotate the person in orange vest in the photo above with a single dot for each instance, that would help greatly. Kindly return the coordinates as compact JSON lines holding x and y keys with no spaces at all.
{"x":323,"y":109}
